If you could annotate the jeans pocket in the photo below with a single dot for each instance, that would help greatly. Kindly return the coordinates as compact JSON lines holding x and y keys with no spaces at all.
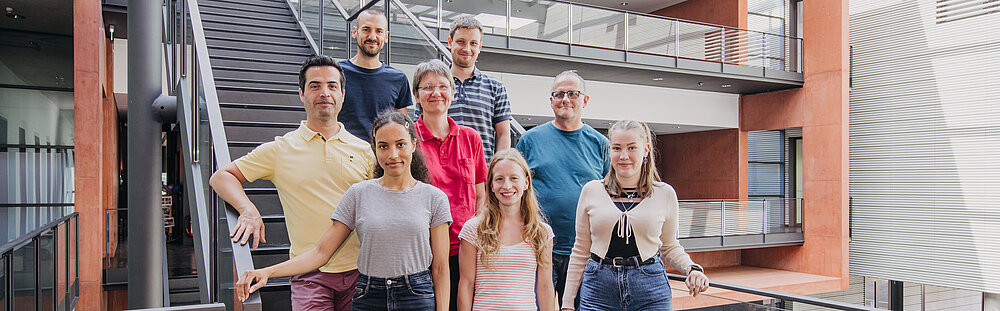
{"x":422,"y":289}
{"x":360,"y":290}
{"x":655,"y":269}
{"x":591,"y":268}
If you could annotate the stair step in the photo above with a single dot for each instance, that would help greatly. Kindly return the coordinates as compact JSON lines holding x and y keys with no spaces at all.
{"x":214,"y":37}
{"x":244,"y":114}
{"x":284,"y":79}
{"x":263,"y":124}
{"x":266,"y":259}
{"x":290,"y":32}
{"x":275,"y":297}
{"x":257,"y":89}
{"x":219,"y":10}
{"x":262,"y":107}
{"x":237,"y":95}
{"x":242,"y":7}
{"x":243,"y":133}
{"x":270,"y":4}
{"x":225,"y":17}
{"x":249,"y":64}
{"x":214,"y":51}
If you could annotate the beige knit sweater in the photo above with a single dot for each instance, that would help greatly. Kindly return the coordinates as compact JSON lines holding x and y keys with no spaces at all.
{"x":654,"y":228}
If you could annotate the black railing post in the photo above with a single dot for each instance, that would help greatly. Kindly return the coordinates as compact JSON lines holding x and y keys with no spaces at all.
{"x":895,"y":295}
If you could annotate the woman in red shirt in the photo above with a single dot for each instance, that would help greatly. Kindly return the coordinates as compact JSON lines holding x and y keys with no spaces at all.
{"x":453,"y":153}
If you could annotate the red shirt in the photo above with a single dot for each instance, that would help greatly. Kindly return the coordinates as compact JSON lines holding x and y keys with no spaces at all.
{"x":456,"y":165}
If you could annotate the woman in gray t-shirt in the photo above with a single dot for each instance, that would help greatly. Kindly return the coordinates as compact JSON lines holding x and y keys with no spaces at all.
{"x":401,"y":221}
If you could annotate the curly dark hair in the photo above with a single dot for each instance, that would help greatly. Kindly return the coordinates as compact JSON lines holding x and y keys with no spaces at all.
{"x":417,"y":167}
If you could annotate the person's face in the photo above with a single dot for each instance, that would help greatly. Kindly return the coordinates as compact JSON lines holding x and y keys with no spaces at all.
{"x":627,"y":153}
{"x":465,"y":45}
{"x":564,"y":107}
{"x":394,"y":149}
{"x":434,"y":93}
{"x":370,"y":34}
{"x":322,"y":95}
{"x":508,"y":183}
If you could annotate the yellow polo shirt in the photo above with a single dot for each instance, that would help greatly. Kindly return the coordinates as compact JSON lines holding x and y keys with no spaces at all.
{"x":311,"y":175}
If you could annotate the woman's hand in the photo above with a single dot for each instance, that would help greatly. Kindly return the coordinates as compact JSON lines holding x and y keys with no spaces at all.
{"x":696,"y":282}
{"x":256,"y":277}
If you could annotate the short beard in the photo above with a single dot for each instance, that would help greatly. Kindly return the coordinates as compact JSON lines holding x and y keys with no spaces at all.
{"x":363,"y":50}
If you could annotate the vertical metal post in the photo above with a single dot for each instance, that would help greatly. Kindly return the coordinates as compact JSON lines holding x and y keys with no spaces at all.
{"x":895,"y":295}
{"x":677,"y":38}
{"x":9,"y":282}
{"x":388,"y":25}
{"x":764,"y":209}
{"x":195,"y":106}
{"x":38,"y":287}
{"x":625,"y":45}
{"x":439,"y":17}
{"x":763,"y":49}
{"x":507,"y":33}
{"x":145,"y":226}
{"x":569,"y":24}
{"x":320,"y":26}
{"x":183,"y":34}
{"x":55,"y":266}
{"x":722,"y":224}
{"x":722,"y":45}
{"x":300,"y":10}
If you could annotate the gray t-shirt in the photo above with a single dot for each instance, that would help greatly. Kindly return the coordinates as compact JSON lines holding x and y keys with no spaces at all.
{"x":393,"y":226}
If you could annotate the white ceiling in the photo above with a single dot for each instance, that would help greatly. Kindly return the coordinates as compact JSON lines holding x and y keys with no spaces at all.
{"x":644,"y":6}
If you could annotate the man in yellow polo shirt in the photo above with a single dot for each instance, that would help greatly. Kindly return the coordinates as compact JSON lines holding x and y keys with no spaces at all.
{"x":311,"y":167}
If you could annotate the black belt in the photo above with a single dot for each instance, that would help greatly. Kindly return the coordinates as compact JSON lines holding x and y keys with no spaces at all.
{"x":623,"y":261}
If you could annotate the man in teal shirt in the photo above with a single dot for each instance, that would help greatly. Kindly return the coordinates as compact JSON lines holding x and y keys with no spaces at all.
{"x":564,"y":154}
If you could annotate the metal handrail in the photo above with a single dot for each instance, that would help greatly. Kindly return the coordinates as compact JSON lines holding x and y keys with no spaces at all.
{"x":779,"y":295}
{"x":789,"y":54}
{"x":734,"y":217}
{"x":189,"y":100}
{"x":18,"y":242}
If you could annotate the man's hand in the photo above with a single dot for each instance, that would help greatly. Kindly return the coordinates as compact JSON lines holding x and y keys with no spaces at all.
{"x":249,"y":223}
{"x":256,"y":277}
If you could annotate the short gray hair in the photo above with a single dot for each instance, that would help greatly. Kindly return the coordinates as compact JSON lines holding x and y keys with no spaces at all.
{"x":434,"y":66}
{"x":465,"y":22}
{"x":571,"y":73}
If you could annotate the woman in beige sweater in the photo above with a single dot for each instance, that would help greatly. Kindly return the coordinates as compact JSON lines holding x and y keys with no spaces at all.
{"x":626,"y":228}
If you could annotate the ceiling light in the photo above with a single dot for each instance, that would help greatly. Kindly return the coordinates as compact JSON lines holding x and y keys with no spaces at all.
{"x":727,"y":85}
{"x":701,"y":83}
{"x":677,"y":127}
{"x":624,"y":3}
{"x":11,"y":14}
{"x":657,"y":79}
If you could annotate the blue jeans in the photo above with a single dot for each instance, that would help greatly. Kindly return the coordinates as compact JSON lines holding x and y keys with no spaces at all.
{"x":408,"y":292}
{"x":606,"y":287}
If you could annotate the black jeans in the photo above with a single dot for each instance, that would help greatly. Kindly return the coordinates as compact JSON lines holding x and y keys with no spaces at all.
{"x":560,"y":263}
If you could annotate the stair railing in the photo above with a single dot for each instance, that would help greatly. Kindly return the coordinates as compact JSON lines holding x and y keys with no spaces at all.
{"x":205,"y":148}
{"x":738,"y":297}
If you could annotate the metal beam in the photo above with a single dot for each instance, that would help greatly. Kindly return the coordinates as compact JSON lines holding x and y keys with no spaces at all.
{"x":145,"y":226}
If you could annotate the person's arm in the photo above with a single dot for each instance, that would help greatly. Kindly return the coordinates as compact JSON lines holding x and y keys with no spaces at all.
{"x":467,"y":268}
{"x":503,"y":135}
{"x":480,"y":196}
{"x":581,"y":247}
{"x":228,"y":183}
{"x":439,"y":265}
{"x":308,"y":261}
{"x":544,"y":289}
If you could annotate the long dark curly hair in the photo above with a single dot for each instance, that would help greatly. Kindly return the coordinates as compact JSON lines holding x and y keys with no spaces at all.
{"x":417,"y":167}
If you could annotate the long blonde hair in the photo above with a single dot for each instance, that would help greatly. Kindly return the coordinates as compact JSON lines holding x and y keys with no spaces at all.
{"x":648,"y":175}
{"x":491,"y":217}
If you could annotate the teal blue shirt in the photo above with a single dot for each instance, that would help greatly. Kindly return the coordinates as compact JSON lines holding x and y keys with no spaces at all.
{"x":561,"y":163}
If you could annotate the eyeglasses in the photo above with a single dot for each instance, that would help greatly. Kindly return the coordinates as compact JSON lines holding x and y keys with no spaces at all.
{"x":570,"y":94}
{"x":430,"y":88}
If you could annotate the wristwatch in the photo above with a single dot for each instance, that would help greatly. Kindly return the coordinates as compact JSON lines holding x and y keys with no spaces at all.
{"x":696,"y":268}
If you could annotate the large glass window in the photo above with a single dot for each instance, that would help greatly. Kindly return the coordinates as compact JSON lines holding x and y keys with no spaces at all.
{"x":36,"y":130}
